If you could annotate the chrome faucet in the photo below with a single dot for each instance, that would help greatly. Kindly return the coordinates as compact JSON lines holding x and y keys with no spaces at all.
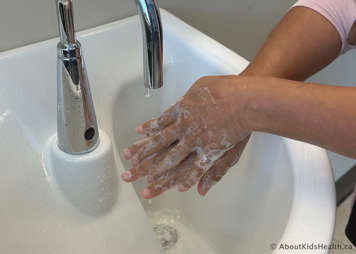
{"x":77,"y":127}
{"x":151,"y":23}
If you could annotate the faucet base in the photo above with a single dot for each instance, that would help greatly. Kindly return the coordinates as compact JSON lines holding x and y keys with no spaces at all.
{"x":88,"y":181}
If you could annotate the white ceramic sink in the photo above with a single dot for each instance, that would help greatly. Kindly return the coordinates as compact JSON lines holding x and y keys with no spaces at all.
{"x":281,"y":191}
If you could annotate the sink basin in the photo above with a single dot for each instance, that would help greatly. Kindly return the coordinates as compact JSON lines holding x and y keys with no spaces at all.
{"x":281,"y":192}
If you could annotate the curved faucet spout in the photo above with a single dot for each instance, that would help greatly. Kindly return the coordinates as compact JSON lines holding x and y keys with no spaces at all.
{"x":148,"y":11}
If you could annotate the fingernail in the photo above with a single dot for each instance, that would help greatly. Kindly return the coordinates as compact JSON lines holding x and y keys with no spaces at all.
{"x":206,"y":186}
{"x":134,"y":162}
{"x":146,"y":193}
{"x":182,"y":188}
{"x":139,"y":129}
{"x":126,"y":175}
{"x":127,"y":154}
{"x":203,"y":192}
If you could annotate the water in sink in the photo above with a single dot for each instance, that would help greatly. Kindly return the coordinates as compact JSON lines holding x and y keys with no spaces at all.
{"x":187,"y":241}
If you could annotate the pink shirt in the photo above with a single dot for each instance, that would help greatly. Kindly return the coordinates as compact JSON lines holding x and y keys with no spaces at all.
{"x":340,"y":13}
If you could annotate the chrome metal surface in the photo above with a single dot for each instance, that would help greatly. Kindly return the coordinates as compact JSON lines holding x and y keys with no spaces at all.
{"x":65,"y":21}
{"x":152,"y":43}
{"x":76,"y":120}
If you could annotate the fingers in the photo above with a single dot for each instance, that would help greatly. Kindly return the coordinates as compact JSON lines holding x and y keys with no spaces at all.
{"x":168,"y":180}
{"x":220,"y":167}
{"x":174,"y":157}
{"x":187,"y":173}
{"x":157,"y":124}
{"x":193,"y":175}
{"x":143,"y":168}
{"x":151,"y":145}
{"x":160,"y":163}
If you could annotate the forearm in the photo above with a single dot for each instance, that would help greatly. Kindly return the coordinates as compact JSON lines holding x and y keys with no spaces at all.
{"x":302,"y":43}
{"x":318,"y":114}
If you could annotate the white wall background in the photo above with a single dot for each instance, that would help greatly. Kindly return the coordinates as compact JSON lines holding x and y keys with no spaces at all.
{"x":241,"y":25}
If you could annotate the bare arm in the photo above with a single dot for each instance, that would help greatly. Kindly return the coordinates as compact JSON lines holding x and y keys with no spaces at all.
{"x":319,"y":114}
{"x":303,"y":43}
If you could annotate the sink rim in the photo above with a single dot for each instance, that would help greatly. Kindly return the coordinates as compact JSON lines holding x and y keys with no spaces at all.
{"x":313,"y":174}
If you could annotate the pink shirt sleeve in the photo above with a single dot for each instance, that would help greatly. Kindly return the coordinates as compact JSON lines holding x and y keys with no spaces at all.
{"x":341,"y":13}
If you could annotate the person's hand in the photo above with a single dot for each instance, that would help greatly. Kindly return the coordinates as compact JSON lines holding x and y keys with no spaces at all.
{"x":198,"y":138}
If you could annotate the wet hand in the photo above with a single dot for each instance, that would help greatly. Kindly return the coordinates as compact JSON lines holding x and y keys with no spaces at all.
{"x":196,"y":140}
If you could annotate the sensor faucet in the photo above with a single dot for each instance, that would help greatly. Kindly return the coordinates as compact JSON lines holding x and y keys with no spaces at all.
{"x":77,"y":127}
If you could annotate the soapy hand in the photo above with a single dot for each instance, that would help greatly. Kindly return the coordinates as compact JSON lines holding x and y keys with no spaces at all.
{"x":197,"y":139}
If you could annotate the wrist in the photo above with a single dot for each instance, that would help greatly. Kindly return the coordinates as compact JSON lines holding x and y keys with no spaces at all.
{"x":237,"y":93}
{"x":247,"y":95}
{"x":248,"y":110}
{"x":238,"y":98}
